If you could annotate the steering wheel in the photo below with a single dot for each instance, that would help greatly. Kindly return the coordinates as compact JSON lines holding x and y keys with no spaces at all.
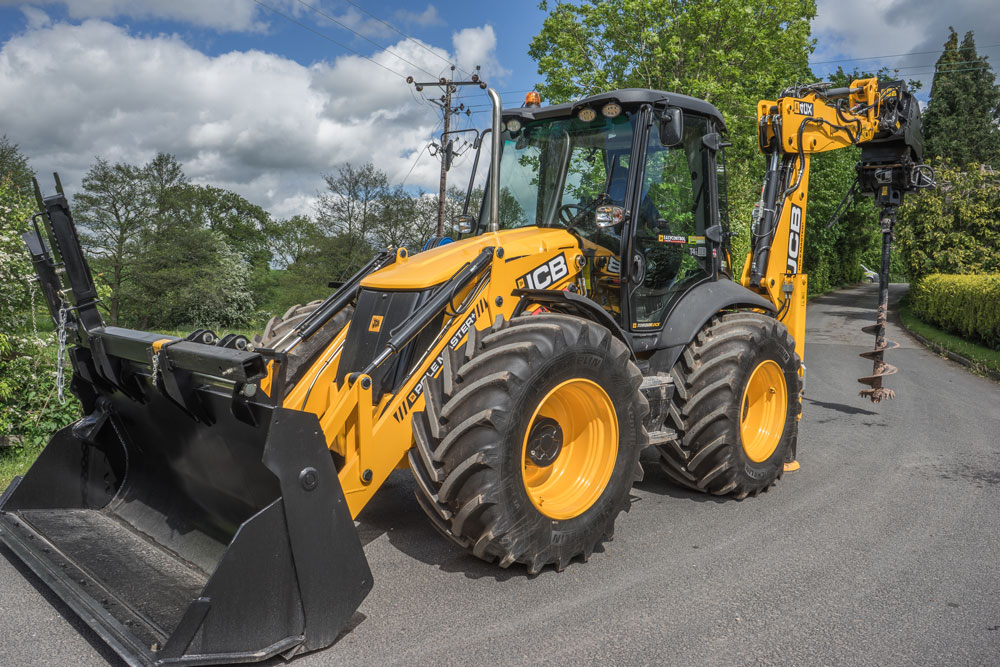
{"x":567,"y":216}
{"x":566,"y":212}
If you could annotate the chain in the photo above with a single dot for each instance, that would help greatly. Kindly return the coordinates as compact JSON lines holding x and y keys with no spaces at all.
{"x":156,"y":368}
{"x":61,"y":357}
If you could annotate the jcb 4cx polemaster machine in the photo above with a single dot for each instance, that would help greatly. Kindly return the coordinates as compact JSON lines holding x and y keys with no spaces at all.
{"x":202,"y":510}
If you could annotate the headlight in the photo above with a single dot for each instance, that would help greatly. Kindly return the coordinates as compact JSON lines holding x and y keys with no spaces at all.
{"x":586,"y":114}
{"x":513,"y":125}
{"x":611,"y":109}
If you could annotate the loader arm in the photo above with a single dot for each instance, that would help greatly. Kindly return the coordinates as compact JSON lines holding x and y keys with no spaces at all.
{"x":366,"y":417}
{"x":883,"y":119}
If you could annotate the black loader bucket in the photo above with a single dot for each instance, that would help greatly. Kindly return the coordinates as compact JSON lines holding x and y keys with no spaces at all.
{"x":187,"y":519}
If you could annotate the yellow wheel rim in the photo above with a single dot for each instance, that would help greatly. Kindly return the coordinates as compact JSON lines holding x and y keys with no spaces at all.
{"x":762,"y":411}
{"x":570,"y":448}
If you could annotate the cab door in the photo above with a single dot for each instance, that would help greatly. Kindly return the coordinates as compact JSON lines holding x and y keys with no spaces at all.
{"x":671,"y":209}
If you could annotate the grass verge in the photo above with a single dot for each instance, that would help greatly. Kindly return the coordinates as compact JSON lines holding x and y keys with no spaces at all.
{"x":985,"y":360}
{"x":15,"y":461}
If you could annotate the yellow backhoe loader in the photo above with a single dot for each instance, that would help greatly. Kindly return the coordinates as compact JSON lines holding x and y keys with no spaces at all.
{"x":202,"y":511}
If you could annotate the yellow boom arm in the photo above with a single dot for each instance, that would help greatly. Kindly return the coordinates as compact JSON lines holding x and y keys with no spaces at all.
{"x":882,"y":118}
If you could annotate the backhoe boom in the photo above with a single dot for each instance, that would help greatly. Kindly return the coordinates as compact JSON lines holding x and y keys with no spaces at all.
{"x":881,"y":118}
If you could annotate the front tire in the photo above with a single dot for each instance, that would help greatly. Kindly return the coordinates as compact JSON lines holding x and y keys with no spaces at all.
{"x":529,"y":443}
{"x":736,"y":406}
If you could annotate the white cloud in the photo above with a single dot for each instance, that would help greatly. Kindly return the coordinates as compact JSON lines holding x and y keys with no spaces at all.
{"x":254,"y":122}
{"x":36,"y":17}
{"x":892,"y":27}
{"x":428,"y":17}
{"x":237,"y":15}
{"x":477,"y":46}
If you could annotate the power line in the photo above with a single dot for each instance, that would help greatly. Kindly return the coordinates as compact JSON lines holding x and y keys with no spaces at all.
{"x":897,"y":55}
{"x":950,"y":71}
{"x":421,"y":153}
{"x":417,"y":42}
{"x":370,"y":41}
{"x":328,"y":38}
{"x":964,"y":62}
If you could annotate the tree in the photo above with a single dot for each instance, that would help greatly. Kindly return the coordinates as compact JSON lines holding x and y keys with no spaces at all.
{"x":350,"y":209}
{"x":166,"y":181}
{"x":293,"y":239}
{"x":961,"y":120}
{"x":728,"y":52}
{"x":15,"y":276}
{"x":14,"y":166}
{"x":402,"y":221}
{"x":955,"y":227}
{"x":245,"y":227}
{"x":113,"y":210}
{"x":187,"y":276}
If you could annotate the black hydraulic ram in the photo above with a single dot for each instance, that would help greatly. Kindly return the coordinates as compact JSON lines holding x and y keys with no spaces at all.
{"x":188,"y":518}
{"x":334,"y":303}
{"x":409,"y":329}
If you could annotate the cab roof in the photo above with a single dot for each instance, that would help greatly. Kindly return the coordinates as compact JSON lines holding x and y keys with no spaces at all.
{"x":625,"y":97}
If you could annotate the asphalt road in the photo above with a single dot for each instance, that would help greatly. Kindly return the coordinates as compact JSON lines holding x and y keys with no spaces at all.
{"x":882,"y":550}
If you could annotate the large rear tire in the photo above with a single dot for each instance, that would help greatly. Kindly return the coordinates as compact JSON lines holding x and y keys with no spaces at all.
{"x":301,"y":356}
{"x":735,"y":407}
{"x":529,"y":443}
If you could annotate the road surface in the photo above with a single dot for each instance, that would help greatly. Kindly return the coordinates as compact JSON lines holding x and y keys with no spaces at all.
{"x":884,"y":549}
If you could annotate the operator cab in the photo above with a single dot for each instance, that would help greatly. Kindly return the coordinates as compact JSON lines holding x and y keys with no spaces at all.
{"x":631,"y":174}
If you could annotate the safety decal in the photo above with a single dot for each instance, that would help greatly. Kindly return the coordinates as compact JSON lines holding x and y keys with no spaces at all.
{"x":376,"y":324}
{"x":664,"y":238}
{"x":695,"y":240}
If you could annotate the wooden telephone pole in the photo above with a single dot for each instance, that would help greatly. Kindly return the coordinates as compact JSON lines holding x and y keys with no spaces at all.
{"x":449,"y":86}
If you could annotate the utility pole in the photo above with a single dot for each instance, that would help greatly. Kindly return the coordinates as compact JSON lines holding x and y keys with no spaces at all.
{"x":449,"y":86}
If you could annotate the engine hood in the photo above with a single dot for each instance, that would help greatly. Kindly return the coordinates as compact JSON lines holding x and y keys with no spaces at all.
{"x":432,"y":267}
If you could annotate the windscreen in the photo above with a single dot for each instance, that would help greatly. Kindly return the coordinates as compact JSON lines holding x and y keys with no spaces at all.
{"x":552,"y":170}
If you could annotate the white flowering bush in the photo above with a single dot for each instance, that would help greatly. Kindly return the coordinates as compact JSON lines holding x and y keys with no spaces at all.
{"x":29,"y":411}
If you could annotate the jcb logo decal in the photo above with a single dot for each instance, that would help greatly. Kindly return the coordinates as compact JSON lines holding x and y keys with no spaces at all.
{"x":804,"y":108}
{"x":794,"y":234}
{"x":545,"y":275}
{"x":376,"y":323}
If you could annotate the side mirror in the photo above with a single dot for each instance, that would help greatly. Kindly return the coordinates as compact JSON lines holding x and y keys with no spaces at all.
{"x":609,"y":216}
{"x":463,"y":224}
{"x":671,"y":127}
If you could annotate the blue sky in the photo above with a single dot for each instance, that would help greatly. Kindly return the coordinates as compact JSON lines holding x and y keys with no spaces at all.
{"x":262,"y":104}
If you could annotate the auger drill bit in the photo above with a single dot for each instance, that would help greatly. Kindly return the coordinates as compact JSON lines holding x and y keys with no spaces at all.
{"x":880,"y":369}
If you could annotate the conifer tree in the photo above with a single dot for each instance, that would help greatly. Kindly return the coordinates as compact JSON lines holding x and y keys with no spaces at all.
{"x":961,"y":120}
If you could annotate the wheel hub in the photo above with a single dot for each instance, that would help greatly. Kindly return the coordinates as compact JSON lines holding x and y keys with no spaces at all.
{"x":569,"y":449}
{"x":545,"y":441}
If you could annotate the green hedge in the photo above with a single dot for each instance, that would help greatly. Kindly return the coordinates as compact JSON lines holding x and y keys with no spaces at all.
{"x":968,"y":305}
